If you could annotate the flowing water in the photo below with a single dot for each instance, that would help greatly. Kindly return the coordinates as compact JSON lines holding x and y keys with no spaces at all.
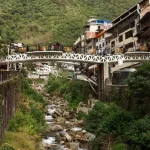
{"x":49,"y":138}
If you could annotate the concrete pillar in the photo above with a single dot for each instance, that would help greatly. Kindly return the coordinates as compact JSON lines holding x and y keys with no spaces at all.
{"x":100,"y":77}
{"x":15,"y":66}
{"x":106,"y":71}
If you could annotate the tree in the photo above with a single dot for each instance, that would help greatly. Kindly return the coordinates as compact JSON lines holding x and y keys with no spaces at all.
{"x":139,"y":88}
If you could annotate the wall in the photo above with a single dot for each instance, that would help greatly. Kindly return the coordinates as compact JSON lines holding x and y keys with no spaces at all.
{"x":9,"y":98}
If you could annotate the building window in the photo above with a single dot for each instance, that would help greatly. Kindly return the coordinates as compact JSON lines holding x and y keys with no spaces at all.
{"x":128,"y":34}
{"x":112,"y":43}
{"x":120,"y":38}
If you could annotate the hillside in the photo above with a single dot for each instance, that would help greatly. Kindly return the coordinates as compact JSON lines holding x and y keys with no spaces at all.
{"x":39,"y":21}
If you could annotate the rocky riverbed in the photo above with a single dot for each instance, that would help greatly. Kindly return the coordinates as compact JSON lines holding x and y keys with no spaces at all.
{"x":64,"y":131}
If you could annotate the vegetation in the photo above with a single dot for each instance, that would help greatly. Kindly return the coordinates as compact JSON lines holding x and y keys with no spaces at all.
{"x":119,"y":129}
{"x":139,"y":87}
{"x":74,"y":91}
{"x":28,"y":121}
{"x":46,"y":21}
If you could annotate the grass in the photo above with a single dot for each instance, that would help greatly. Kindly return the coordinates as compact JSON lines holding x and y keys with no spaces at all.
{"x":19,"y":141}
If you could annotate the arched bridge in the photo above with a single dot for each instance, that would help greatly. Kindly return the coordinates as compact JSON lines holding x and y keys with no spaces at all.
{"x":73,"y":57}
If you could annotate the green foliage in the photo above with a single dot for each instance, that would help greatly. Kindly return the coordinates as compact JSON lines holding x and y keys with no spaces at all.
{"x":107,"y":119}
{"x":24,"y":73}
{"x":39,"y":21}
{"x":139,"y":87}
{"x":128,"y":131}
{"x":7,"y":147}
{"x":120,"y":146}
{"x":57,"y":84}
{"x":138,"y":135}
{"x":74,"y":91}
{"x":81,"y":115}
{"x":32,"y":94}
{"x":21,"y":122}
{"x":29,"y":117}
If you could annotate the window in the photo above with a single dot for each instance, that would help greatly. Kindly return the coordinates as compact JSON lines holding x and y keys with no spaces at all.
{"x":128,"y":34}
{"x":112,"y":43}
{"x":120,"y":38}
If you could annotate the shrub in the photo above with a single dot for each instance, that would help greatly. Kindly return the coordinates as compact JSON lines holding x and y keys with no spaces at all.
{"x":139,"y":87}
{"x":107,"y":119}
{"x":120,"y":146}
{"x":7,"y":147}
{"x":138,"y":135}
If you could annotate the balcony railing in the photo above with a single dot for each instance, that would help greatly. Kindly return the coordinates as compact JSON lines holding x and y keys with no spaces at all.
{"x":7,"y":75}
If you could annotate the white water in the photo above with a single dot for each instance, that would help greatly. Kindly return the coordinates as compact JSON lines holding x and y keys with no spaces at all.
{"x":51,"y":109}
{"x":49,"y":120}
{"x":76,"y":129}
{"x":49,"y":140}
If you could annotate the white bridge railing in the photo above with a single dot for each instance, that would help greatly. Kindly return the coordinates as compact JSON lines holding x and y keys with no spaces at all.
{"x":72,"y":57}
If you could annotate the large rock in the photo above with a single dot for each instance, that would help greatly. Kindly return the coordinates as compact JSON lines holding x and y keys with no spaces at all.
{"x":66,"y":115}
{"x":73,"y":145}
{"x":57,"y":128}
{"x":66,"y":135}
{"x":60,"y":120}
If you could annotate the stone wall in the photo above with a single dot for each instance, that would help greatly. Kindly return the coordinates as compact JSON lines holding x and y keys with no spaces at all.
{"x":9,"y":97}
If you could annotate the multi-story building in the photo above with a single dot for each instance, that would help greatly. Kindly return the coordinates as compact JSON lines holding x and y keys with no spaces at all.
{"x":86,"y":43}
{"x":123,"y":30}
{"x":143,"y":26}
{"x":102,"y":43}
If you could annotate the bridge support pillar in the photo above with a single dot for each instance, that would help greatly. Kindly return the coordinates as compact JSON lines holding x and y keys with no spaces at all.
{"x":100,"y":80}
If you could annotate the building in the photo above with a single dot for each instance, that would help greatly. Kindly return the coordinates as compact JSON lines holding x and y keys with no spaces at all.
{"x":86,"y":43}
{"x":102,"y":43}
{"x":143,"y":26}
{"x":123,"y":30}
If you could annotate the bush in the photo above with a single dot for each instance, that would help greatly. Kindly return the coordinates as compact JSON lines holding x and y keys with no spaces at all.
{"x":32,"y":94}
{"x":138,"y":135}
{"x":81,"y":115}
{"x":7,"y":147}
{"x":120,"y":146}
{"x":139,"y":87}
{"x":107,"y":119}
{"x":22,"y":121}
{"x":74,"y":91}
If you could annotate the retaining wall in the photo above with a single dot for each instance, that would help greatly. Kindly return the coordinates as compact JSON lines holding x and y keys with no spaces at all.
{"x":10,"y":92}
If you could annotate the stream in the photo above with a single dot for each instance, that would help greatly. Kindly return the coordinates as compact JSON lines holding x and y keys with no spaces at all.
{"x":64,"y":131}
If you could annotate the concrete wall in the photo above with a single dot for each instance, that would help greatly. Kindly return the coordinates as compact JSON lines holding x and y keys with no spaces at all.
{"x":9,"y":97}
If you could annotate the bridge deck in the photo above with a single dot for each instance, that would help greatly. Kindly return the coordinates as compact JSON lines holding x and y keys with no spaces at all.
{"x":73,"y":57}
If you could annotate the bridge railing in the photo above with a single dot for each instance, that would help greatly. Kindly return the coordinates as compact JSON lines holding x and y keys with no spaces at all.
{"x":7,"y":75}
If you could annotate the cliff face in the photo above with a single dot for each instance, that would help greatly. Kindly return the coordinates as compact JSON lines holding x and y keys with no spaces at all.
{"x":39,"y":21}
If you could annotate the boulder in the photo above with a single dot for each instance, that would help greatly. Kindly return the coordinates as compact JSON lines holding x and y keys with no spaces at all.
{"x":60,"y":119}
{"x":73,"y":145}
{"x":66,"y":135}
{"x":57,"y":128}
{"x":66,"y":115}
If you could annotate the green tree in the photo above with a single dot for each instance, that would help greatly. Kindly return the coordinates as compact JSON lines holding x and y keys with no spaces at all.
{"x":139,"y":87}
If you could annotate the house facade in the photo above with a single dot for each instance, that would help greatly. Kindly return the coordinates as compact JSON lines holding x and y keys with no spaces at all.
{"x":123,"y":30}
{"x":87,"y":42}
{"x":143,"y":26}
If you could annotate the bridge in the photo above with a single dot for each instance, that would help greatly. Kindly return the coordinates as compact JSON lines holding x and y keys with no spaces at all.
{"x":74,"y":57}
